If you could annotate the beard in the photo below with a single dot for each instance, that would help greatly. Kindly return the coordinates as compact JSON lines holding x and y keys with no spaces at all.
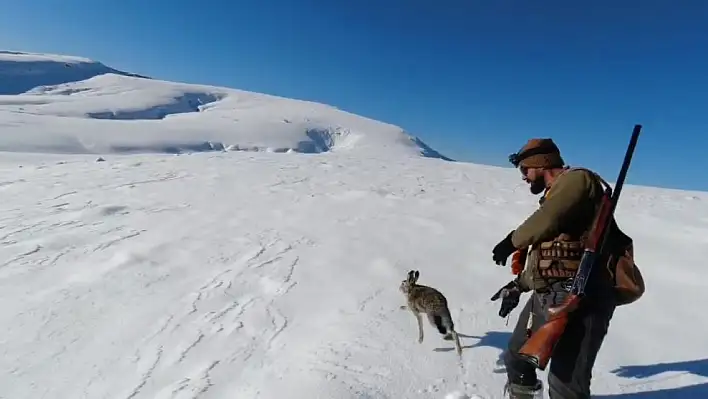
{"x":538,"y":186}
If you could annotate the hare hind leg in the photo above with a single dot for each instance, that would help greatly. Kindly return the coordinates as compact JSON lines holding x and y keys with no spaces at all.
{"x":446,"y":327}
{"x":458,"y":347}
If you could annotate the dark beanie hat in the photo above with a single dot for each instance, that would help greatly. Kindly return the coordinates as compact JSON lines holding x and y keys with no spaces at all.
{"x":546,"y":154}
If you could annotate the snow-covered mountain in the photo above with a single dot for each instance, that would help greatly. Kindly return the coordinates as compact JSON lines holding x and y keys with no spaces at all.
{"x":67,"y":104}
{"x":21,"y":71}
{"x":258,"y":275}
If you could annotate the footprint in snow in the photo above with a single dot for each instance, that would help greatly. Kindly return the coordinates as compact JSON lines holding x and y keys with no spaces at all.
{"x":114,"y":210}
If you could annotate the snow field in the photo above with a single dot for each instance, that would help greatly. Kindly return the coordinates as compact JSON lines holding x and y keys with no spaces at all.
{"x":275,"y":275}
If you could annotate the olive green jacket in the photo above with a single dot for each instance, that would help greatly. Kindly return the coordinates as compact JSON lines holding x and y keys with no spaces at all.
{"x":568,"y":207}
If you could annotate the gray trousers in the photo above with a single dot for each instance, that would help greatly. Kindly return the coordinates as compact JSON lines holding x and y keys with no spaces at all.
{"x":570,"y":368}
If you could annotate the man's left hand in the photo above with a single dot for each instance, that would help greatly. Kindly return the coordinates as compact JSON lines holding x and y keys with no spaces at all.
{"x":503,"y":250}
{"x":509,"y":295}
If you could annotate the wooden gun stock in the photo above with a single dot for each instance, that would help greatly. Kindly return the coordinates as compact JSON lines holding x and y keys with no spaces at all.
{"x":539,"y":347}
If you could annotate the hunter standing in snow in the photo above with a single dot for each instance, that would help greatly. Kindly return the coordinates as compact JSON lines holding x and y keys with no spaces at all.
{"x":554,"y":234}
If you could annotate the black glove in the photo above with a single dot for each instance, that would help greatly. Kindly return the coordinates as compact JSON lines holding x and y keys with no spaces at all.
{"x":503,"y":250}
{"x":510,"y":295}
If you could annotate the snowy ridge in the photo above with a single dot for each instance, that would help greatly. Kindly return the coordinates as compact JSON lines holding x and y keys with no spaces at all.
{"x":111,"y":112}
{"x":21,"y":71}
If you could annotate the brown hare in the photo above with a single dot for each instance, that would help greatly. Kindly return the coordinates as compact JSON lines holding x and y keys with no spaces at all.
{"x":428,"y":300}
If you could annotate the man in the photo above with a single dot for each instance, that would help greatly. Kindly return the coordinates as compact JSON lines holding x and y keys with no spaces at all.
{"x":555,"y":234}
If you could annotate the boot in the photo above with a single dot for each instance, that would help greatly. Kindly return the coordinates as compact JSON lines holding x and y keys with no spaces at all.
{"x":516,"y":391}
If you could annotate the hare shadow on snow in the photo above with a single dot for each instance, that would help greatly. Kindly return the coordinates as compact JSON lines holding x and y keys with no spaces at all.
{"x":697,"y":367}
{"x":494,"y":339}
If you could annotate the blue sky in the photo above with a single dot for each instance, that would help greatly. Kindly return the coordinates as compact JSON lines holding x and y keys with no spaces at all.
{"x":473,"y":79}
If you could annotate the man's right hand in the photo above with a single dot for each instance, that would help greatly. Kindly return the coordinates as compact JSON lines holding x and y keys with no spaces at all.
{"x":510,"y":294}
{"x":503,"y":250}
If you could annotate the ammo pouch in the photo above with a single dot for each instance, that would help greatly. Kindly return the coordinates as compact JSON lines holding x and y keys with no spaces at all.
{"x":559,"y":259}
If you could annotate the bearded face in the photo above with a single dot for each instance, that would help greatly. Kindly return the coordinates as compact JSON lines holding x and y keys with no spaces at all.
{"x":538,"y":185}
{"x":535,"y":179}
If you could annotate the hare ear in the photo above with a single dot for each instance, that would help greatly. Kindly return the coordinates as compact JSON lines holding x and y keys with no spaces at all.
{"x":416,"y":275}
{"x":411,"y":276}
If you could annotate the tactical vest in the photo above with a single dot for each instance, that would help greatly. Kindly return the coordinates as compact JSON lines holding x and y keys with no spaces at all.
{"x":559,"y":258}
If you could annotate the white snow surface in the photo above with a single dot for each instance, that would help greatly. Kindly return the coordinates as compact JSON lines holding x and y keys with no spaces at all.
{"x":275,"y":275}
{"x":104,"y":111}
{"x":260,"y":275}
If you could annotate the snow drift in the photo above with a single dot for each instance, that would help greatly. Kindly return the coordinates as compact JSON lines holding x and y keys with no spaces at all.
{"x":86,"y":107}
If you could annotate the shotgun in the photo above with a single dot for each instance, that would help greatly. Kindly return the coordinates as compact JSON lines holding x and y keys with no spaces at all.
{"x":538,"y":348}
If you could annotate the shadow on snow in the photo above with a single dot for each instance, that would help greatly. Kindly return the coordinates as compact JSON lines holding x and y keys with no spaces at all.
{"x":696,"y":367}
{"x":499,"y":340}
